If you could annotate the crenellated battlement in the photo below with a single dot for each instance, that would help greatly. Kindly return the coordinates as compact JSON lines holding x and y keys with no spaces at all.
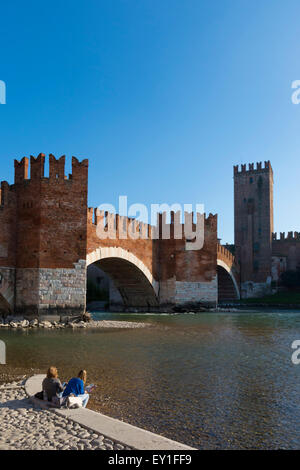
{"x":222,"y":250}
{"x":290,"y":236}
{"x":252,"y":168}
{"x":37,"y":167}
{"x":79,"y":169}
{"x":56,"y":169}
{"x":127,"y":226}
{"x":21,"y":170}
{"x":122,"y":224}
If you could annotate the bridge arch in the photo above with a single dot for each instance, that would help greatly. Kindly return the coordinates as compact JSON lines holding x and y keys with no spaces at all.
{"x":130,"y":275}
{"x":228,"y":288}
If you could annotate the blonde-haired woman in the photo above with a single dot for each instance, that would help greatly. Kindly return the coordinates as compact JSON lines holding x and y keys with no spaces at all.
{"x":76,"y":387}
{"x":52,"y":386}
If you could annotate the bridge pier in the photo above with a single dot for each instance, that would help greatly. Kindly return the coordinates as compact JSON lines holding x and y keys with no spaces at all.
{"x":34,"y":292}
{"x":185,"y":295}
{"x":59,"y":291}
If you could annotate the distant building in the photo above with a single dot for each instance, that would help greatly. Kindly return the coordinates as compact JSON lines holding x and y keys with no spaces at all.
{"x":262,"y":257}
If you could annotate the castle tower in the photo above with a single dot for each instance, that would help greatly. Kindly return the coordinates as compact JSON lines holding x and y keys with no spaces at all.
{"x":50,"y":236}
{"x":253,"y":226}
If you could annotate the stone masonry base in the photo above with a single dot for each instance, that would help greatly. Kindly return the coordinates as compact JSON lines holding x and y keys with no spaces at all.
{"x":255,"y":289}
{"x":51,"y":291}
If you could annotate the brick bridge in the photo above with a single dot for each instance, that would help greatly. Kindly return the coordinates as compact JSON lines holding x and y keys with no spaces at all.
{"x":49,"y":236}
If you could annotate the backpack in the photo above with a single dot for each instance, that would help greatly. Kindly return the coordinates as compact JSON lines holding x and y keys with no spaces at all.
{"x":74,"y":402}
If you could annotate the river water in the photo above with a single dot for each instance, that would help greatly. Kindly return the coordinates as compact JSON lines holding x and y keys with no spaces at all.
{"x":210,"y":380}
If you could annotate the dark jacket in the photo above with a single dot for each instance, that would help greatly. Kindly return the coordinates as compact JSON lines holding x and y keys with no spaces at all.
{"x":52,"y":387}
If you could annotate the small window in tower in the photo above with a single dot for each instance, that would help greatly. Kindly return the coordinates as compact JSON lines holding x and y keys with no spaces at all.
{"x":251,"y":180}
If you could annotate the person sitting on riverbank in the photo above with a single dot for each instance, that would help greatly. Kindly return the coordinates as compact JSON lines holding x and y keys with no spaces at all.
{"x":52,"y":386}
{"x":76,"y":387}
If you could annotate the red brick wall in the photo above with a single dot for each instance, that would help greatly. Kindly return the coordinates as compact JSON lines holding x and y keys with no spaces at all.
{"x":253,"y":220}
{"x":287,"y":247}
{"x":141,"y":248}
{"x":166,"y":258}
{"x":7,"y":225}
{"x":195,"y":265}
{"x":51,"y":214}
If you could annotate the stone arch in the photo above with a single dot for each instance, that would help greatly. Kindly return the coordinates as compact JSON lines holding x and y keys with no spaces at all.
{"x":225,"y":275}
{"x":130,"y":275}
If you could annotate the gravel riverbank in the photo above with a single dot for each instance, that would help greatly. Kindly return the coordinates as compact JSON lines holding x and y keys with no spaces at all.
{"x":21,"y":323}
{"x":25,"y":426}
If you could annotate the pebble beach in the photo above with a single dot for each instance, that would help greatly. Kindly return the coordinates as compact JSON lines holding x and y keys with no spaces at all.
{"x":21,"y":323}
{"x":26,"y":426}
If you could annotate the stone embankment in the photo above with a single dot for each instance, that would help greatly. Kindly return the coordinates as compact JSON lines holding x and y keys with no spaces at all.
{"x":25,"y":426}
{"x":23,"y":324}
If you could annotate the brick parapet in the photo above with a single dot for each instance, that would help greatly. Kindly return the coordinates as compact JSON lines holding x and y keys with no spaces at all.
{"x":259,"y":168}
{"x":286,"y":237}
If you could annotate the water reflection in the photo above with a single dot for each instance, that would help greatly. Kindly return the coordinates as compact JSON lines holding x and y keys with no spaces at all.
{"x":209,"y":380}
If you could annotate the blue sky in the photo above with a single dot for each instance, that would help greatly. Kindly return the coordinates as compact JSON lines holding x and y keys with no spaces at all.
{"x":163,"y":97}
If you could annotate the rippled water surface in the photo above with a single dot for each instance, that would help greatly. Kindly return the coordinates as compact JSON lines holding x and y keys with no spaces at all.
{"x":213,"y":381}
